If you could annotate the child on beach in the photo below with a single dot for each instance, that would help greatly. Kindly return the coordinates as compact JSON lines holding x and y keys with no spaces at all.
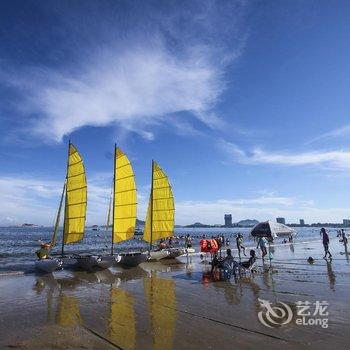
{"x":325,"y":241}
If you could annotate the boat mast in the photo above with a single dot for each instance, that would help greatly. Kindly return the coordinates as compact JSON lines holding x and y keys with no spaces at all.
{"x":58,"y":217}
{"x":114,"y":177}
{"x":65,"y":203}
{"x":150,"y":243}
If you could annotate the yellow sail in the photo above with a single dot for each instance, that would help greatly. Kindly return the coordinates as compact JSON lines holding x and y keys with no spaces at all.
{"x":125,"y":201}
{"x":76,"y":197}
{"x":161,"y":208}
{"x":122,"y":329}
{"x":68,"y":313}
{"x":161,"y":300}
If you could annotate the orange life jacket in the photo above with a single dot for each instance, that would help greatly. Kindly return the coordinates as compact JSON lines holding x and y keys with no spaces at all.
{"x":203,"y":245}
{"x":214,"y":246}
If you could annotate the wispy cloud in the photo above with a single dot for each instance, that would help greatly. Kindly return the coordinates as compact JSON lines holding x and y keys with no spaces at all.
{"x":134,"y":84}
{"x":342,"y":131}
{"x":339,"y":159}
{"x":32,"y":199}
{"x":213,"y":212}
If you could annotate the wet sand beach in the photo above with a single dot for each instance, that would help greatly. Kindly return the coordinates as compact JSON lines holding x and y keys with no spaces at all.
{"x":177,"y":304}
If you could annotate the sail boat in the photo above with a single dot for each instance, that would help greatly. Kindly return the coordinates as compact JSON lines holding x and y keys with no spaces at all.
{"x":75,"y":195}
{"x":124,"y":203}
{"x":160,"y":214}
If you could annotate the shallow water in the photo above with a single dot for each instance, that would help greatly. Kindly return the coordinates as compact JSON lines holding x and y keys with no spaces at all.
{"x":18,"y":244}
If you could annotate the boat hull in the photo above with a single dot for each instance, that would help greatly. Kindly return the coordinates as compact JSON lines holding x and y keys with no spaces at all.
{"x":91,"y":262}
{"x":86,"y":262}
{"x":158,"y":255}
{"x":132,"y":259}
{"x":105,"y":262}
{"x":174,"y":253}
{"x":48,"y":265}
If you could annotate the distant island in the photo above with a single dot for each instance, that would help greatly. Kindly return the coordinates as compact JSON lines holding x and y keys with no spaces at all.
{"x":242,"y":223}
{"x":29,"y":225}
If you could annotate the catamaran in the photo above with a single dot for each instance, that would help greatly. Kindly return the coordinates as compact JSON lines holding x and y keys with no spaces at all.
{"x":160,"y":215}
{"x":124,"y":205}
{"x":74,"y":195}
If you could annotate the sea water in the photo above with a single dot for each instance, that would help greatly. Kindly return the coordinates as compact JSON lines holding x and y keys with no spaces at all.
{"x":18,"y":244}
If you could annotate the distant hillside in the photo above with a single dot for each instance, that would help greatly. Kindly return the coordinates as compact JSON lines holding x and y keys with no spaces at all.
{"x":247,"y":222}
{"x":198,"y":224}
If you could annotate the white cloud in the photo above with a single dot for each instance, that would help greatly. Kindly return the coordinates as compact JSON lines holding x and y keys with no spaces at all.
{"x":342,"y":131}
{"x":35,"y":200}
{"x":339,"y":159}
{"x":213,"y":212}
{"x":133,"y":88}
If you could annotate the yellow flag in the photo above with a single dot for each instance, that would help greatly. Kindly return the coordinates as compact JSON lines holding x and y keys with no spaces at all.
{"x":161,"y":208}
{"x":76,"y":197}
{"x":125,"y":201}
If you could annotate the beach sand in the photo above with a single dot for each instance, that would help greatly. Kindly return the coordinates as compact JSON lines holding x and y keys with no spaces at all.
{"x":177,"y":305}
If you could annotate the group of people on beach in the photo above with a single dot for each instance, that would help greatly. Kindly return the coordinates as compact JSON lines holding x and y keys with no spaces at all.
{"x":229,"y":262}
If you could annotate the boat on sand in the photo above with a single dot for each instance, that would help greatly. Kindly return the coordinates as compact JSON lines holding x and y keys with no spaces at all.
{"x":160,"y":215}
{"x":123,"y":203}
{"x":74,"y":196}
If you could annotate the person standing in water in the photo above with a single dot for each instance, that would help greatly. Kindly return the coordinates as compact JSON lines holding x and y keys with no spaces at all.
{"x":262,"y":243}
{"x":240,"y":246}
{"x":343,"y":236}
{"x":325,"y":241}
{"x":188,"y":241}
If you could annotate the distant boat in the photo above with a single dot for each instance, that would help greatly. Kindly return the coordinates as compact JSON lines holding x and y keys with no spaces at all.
{"x":95,"y":228}
{"x":74,"y":195}
{"x":271,"y":229}
{"x":160,"y":214}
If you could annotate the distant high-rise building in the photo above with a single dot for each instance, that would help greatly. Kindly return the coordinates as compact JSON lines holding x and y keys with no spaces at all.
{"x":281,"y":220}
{"x":346,"y":222}
{"x":228,"y":220}
{"x":302,"y":222}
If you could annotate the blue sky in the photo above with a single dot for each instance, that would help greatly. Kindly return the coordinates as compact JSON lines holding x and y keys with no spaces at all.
{"x":244,"y":104}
